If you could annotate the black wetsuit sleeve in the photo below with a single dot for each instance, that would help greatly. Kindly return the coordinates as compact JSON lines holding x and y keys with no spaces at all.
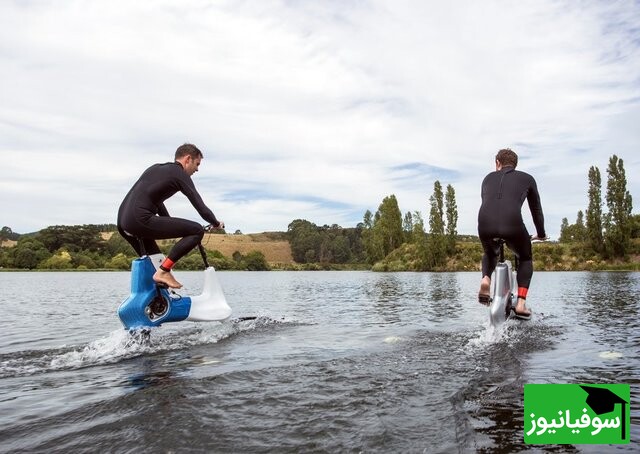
{"x":189,"y":190}
{"x":533,"y":199}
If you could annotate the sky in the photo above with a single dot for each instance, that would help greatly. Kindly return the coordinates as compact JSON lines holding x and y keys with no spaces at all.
{"x":312,"y":110}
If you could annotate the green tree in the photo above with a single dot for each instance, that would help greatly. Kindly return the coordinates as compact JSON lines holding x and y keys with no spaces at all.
{"x":618,"y":220}
{"x":372,"y":247}
{"x":407,"y":226}
{"x":565,"y":234}
{"x":255,"y":261}
{"x":436,"y":214}
{"x":28,"y":253}
{"x":368,"y":219}
{"x":419,"y":239}
{"x":83,"y":261}
{"x":451,"y":209}
{"x":116,"y":245}
{"x":436,"y":241}
{"x":635,"y":226}
{"x":305,"y":240}
{"x":119,"y":262}
{"x":384,"y":231}
{"x":594,"y":211}
{"x":580,"y":229}
{"x":326,"y":244}
{"x":573,"y":233}
{"x":26,"y":258}
{"x":388,"y":225}
{"x":6,"y":259}
{"x":72,"y":238}
{"x":7,"y":234}
{"x":418,"y":233}
{"x":59,"y":261}
{"x":356,"y":246}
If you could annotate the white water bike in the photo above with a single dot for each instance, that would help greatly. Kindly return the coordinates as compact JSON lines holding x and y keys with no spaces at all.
{"x":504,"y":286}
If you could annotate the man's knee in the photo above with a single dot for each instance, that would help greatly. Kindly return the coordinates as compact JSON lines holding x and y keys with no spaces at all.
{"x":199,"y":231}
{"x":190,"y":228}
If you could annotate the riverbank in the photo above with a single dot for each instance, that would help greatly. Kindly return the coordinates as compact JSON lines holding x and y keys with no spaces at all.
{"x":229,"y":250}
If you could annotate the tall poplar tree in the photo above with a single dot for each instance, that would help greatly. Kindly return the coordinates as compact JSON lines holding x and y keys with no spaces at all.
{"x":565,"y":233}
{"x":407,"y":226}
{"x":451,"y":209}
{"x":618,"y":221}
{"x":594,"y":211}
{"x":580,"y":231}
{"x":385,"y":233}
{"x":417,"y":235}
{"x":436,"y":214}
{"x":389,"y":225}
{"x":372,"y":250}
{"x":436,"y":242}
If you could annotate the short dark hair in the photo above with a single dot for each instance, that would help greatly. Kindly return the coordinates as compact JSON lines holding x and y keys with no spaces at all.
{"x":188,"y":149}
{"x":507,"y":157}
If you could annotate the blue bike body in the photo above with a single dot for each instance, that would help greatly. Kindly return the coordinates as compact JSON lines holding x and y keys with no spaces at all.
{"x":150,"y":305}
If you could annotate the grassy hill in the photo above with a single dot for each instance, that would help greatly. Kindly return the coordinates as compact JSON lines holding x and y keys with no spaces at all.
{"x":273,"y":245}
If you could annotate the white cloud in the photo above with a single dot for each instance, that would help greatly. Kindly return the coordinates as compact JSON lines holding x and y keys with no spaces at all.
{"x":312,"y":110}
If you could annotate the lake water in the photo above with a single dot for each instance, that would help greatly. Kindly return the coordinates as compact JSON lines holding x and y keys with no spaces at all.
{"x":335,"y":362}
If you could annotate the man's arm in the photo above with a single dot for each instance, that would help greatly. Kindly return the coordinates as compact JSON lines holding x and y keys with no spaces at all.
{"x":533,"y":199}
{"x":189,"y":190}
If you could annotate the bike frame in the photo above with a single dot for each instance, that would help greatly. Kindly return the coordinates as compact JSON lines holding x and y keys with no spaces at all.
{"x":504,"y":283}
{"x":150,"y":304}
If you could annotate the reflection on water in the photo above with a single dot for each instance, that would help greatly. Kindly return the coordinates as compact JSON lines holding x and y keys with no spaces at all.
{"x":334,"y":362}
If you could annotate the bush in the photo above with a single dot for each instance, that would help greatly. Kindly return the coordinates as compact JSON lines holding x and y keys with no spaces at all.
{"x":59,"y":261}
{"x":119,"y":262}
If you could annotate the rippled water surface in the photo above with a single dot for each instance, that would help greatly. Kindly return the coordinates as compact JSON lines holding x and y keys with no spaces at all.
{"x":334,"y":362}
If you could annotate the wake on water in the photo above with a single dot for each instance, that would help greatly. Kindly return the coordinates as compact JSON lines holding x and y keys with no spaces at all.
{"x":507,"y":332}
{"x":121,"y":345}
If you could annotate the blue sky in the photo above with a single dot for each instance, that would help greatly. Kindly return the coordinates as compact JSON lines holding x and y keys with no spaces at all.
{"x":311,"y":110}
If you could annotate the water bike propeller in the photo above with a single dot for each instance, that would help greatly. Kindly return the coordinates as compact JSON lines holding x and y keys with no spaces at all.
{"x":150,"y":304}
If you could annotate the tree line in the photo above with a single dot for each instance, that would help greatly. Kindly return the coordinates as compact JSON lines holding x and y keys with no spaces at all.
{"x":384,"y":240}
{"x":394,"y":242}
{"x":607,"y":234}
{"x":325,"y":244}
{"x":421,"y":248}
{"x":84,"y":247}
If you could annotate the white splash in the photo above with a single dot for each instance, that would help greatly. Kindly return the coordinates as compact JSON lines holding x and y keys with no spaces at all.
{"x":610,"y":355}
{"x":392,"y":339}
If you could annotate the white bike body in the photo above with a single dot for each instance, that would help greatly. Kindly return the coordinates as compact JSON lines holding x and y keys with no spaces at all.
{"x":211,"y":305}
{"x":504,"y":283}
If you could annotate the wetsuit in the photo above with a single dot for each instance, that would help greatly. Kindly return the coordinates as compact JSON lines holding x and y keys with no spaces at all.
{"x":500,"y":216}
{"x":142,"y":216}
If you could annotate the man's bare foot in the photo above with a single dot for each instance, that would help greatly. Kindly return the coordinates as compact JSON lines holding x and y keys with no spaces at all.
{"x":484,"y":295}
{"x":165,"y":277}
{"x":521,"y":309}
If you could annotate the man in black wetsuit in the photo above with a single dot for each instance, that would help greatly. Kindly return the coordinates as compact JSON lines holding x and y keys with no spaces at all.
{"x":500,"y":216}
{"x":143,"y":218}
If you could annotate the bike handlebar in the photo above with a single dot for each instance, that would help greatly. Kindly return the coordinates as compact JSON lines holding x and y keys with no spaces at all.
{"x":210,"y":228}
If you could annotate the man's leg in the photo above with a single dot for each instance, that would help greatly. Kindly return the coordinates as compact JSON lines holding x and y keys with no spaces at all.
{"x":164,"y":227}
{"x":522,"y":248}
{"x":489,"y":261}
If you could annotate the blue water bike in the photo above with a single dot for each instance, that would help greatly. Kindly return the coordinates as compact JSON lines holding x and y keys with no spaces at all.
{"x":151,"y":304}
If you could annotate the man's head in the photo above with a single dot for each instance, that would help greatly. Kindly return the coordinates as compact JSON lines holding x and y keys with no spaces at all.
{"x":189,"y":157}
{"x":506,"y":158}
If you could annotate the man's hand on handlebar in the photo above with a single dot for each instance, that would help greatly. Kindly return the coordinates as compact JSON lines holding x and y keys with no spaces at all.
{"x":211,"y":227}
{"x":537,"y":238}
